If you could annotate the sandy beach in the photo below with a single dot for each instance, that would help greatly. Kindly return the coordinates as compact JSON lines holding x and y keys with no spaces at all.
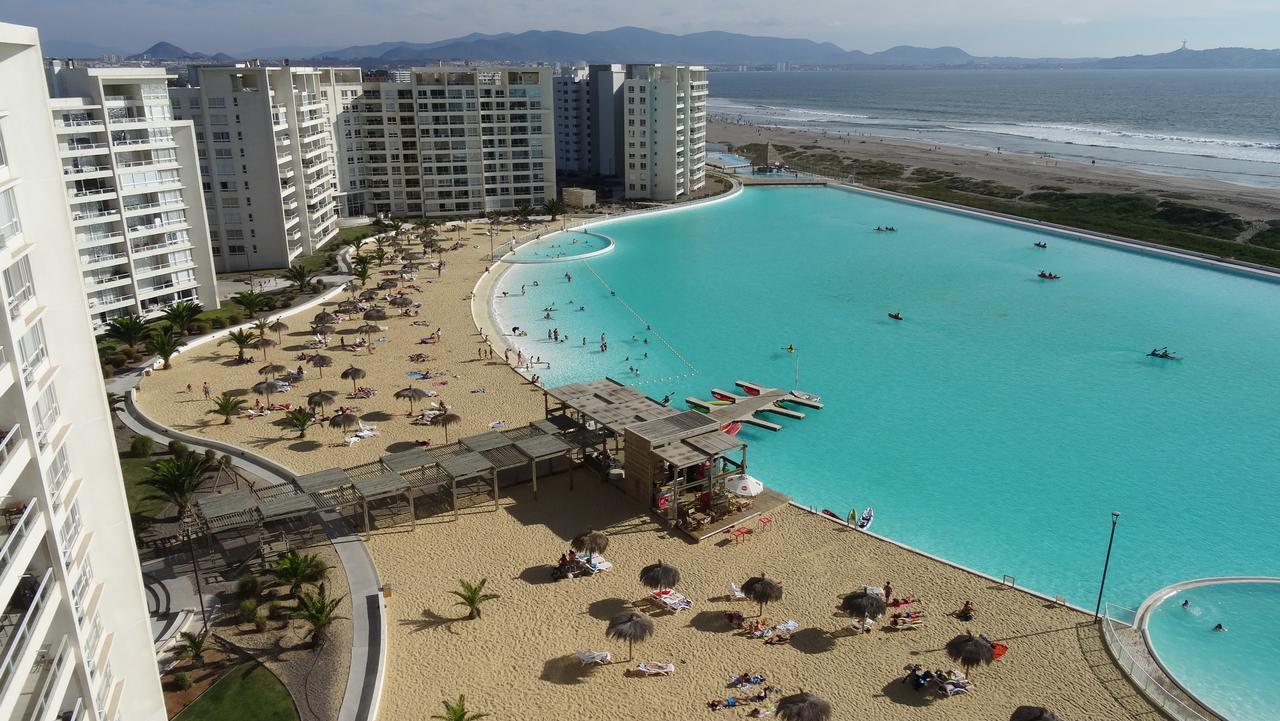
{"x":518,"y":661}
{"x":482,"y":392}
{"x":1020,"y":171}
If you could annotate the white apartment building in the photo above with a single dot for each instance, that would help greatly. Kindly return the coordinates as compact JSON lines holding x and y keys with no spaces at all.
{"x":665,"y":131}
{"x":267,"y":157}
{"x":75,"y":642}
{"x":588,"y":108}
{"x":133,"y":186}
{"x":451,"y":141}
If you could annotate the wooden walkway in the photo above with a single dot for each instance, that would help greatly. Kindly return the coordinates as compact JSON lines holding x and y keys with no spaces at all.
{"x":736,"y":408}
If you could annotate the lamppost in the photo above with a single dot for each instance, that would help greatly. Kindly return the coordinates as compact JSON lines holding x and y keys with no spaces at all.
{"x":1115,"y":516}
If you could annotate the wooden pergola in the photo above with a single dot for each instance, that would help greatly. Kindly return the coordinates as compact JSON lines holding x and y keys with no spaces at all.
{"x":681,"y":454}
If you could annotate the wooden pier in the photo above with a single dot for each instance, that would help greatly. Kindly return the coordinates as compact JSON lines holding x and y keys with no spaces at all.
{"x":736,"y":408}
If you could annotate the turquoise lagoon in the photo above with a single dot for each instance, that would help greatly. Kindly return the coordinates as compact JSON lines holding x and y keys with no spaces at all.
{"x":999,"y":424}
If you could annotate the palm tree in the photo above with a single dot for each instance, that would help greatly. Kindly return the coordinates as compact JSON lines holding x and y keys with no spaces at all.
{"x":242,"y":339}
{"x":227,"y":405}
{"x":299,"y":419}
{"x":251,"y":300}
{"x":115,"y":402}
{"x":299,"y":276}
{"x":318,"y":611}
{"x":380,"y":254}
{"x":298,"y":570}
{"x":472,"y":595}
{"x":193,"y":647}
{"x":457,"y":711}
{"x":177,"y":479}
{"x":163,"y":342}
{"x":131,"y":330}
{"x":361,"y":272}
{"x":448,"y":419}
{"x":553,"y":207}
{"x":523,"y":210}
{"x":182,"y":314}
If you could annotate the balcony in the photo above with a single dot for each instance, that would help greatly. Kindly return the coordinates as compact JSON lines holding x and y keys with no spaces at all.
{"x":31,"y":611}
{"x":30,"y":367}
{"x":93,"y":239}
{"x":134,"y":143}
{"x":143,"y":249}
{"x":80,"y":125}
{"x":163,"y":267}
{"x":159,"y":227}
{"x":109,"y":302}
{"x":102,"y":259}
{"x":72,"y":150}
{"x":95,"y":216}
{"x":106,"y":281}
{"x":156,"y":206}
{"x":78,"y":170}
{"x":54,"y":685}
{"x":148,"y":162}
{"x":81,"y":196}
{"x":170,"y":286}
{"x":14,"y":456}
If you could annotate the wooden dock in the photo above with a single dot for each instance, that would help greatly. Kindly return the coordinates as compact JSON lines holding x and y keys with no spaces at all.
{"x":736,"y":408}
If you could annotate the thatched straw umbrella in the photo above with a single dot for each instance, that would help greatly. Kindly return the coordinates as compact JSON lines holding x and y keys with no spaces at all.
{"x":343,"y":421}
{"x":630,"y":626}
{"x":762,"y":590}
{"x":348,"y":306}
{"x":803,"y":707}
{"x":263,"y":344}
{"x":660,"y":575}
{"x":278,"y":327}
{"x":412,"y":395}
{"x":321,"y":399}
{"x":323,"y":329}
{"x":388,"y":284}
{"x":1033,"y":713}
{"x":266,"y":388}
{"x":375,"y":313}
{"x":590,"y":542}
{"x":368,"y":295}
{"x":863,"y":605}
{"x":970,"y":650}
{"x":321,"y":362}
{"x":272,"y":370}
{"x":402,"y":301}
{"x":324,"y":317}
{"x":413,"y":255}
{"x":367,"y":330}
{"x":353,"y":374}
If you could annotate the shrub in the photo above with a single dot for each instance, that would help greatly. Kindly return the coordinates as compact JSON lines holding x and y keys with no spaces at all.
{"x":177,"y":448}
{"x":276,"y":611}
{"x":118,"y":361}
{"x":319,"y":286}
{"x":142,"y":447}
{"x":247,"y":611}
{"x":182,"y":680}
{"x":108,"y":371}
{"x":248,"y":586}
{"x":218,"y":323}
{"x":235,"y":318}
{"x":259,"y":624}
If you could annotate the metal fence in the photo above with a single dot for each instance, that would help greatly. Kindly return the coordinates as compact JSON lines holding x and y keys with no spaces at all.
{"x":1157,"y":693}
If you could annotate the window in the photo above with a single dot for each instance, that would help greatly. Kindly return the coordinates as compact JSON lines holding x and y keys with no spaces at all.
{"x":9,"y":225}
{"x":18,"y":285}
{"x":217,"y":102}
{"x":47,"y":412}
{"x":235,"y":249}
{"x":231,"y":202}
{"x":218,"y":119}
{"x":3,"y":160}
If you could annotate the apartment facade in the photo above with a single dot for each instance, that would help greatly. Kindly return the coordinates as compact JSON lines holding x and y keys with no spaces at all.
{"x":75,"y":642}
{"x":665,"y":131}
{"x":450,"y":141}
{"x":132,"y":183}
{"x":266,"y":150}
{"x":643,"y":126}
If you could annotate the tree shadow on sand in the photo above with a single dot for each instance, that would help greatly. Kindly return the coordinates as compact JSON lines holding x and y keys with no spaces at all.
{"x":710,"y":622}
{"x":566,"y":670}
{"x":904,"y":695}
{"x":537,"y":575}
{"x":812,"y":640}
{"x":430,"y":620}
{"x":607,"y":608}
{"x":305,"y":445}
{"x":376,"y":416}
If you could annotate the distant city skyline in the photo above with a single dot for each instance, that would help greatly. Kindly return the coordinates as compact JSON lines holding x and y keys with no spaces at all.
{"x":1047,"y":28}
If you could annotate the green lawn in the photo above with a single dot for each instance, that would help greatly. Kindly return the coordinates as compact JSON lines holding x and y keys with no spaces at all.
{"x":247,"y":691}
{"x":359,"y":232}
{"x":135,"y":471}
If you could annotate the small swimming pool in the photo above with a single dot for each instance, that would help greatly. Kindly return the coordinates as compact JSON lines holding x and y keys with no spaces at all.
{"x":1228,"y":670}
{"x":727,"y":159}
{"x":566,"y":245}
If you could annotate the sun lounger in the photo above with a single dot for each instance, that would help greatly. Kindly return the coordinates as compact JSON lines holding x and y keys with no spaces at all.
{"x":789,"y":627}
{"x":954,"y":688}
{"x":589,"y":658}
{"x":351,"y":440}
{"x":656,"y":668}
{"x":735,"y":593}
{"x":672,"y":600}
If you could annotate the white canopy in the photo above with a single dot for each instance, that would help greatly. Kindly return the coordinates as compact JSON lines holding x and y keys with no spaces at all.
{"x":744,"y":485}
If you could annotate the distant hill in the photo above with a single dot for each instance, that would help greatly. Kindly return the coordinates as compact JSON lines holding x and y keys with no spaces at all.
{"x":630,"y":44}
{"x":166,"y":51}
{"x":1185,"y":59}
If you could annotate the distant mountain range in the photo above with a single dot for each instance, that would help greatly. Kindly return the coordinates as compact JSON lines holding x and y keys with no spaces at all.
{"x":634,"y":45}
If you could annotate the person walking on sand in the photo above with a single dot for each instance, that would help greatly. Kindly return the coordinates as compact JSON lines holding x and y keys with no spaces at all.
{"x":204,"y":388}
{"x":888,"y":591}
{"x":188,"y":389}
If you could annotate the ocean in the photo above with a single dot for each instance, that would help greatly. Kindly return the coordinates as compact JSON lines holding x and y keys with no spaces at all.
{"x":1218,"y":124}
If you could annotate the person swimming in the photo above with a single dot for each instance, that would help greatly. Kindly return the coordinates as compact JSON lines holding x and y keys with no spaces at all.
{"x":1219,"y":628}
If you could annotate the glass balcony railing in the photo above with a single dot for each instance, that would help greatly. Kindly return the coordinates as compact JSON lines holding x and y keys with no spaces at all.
{"x":27,"y":611}
{"x":16,"y":534}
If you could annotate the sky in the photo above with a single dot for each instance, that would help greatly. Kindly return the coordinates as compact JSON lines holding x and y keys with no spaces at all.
{"x":1026,"y":28}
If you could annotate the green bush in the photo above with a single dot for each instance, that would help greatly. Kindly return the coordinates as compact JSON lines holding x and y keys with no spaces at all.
{"x":283,"y":303}
{"x":248,"y":586}
{"x":178,"y":448}
{"x":235,"y":318}
{"x":259,"y":624}
{"x":248,"y":610}
{"x":276,"y":610}
{"x":142,"y":447}
{"x":108,"y":371}
{"x":218,"y":323}
{"x":182,"y":680}
{"x":118,"y":361}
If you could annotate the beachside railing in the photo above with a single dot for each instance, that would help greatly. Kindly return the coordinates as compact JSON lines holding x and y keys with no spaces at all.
{"x":1118,"y":619}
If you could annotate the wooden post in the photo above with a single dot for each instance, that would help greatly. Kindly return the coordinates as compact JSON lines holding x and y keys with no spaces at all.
{"x":365,"y":502}
{"x":533,"y":463}
{"x":413,"y":515}
{"x":494,"y":473}
{"x":454,"y":482}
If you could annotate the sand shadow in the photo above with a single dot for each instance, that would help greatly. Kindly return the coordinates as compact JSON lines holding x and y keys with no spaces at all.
{"x":566,"y":671}
{"x":376,"y":416}
{"x":607,"y":608}
{"x":430,"y":620}
{"x":304,"y":446}
{"x":537,"y":575}
{"x":813,"y":640}
{"x":400,"y":446}
{"x":903,"y":695}
{"x":710,"y":622}
{"x":237,"y":392}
